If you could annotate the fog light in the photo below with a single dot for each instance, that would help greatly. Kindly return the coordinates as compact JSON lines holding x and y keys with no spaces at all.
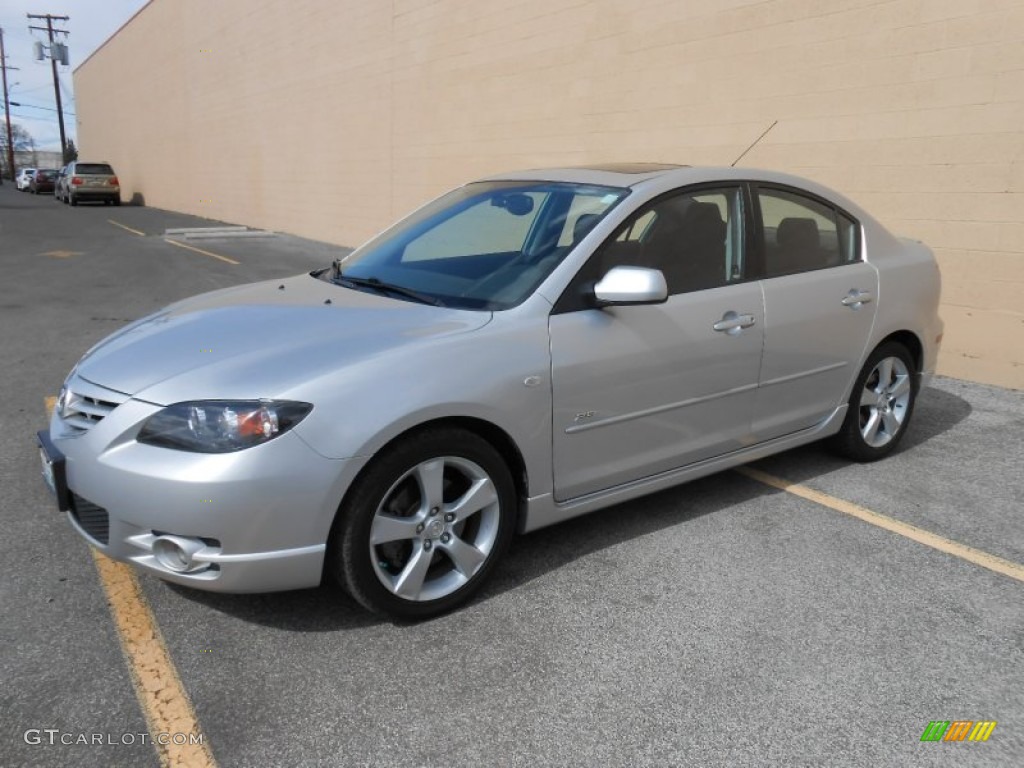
{"x":175,"y":552}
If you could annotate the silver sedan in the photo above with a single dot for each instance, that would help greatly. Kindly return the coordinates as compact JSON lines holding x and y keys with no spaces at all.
{"x":523,"y":350}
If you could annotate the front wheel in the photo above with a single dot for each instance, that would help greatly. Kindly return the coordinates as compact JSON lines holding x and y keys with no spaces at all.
{"x":423,"y":527}
{"x":880,"y":406}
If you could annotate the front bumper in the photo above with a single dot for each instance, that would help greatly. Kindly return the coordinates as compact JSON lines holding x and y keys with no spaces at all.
{"x":260,"y":518}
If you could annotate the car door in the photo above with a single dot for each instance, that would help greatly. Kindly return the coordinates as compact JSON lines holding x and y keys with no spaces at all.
{"x":639,"y":390}
{"x":820,"y":299}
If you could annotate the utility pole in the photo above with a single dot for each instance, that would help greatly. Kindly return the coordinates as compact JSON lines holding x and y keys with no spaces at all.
{"x":7,"y":108}
{"x":53,"y":63}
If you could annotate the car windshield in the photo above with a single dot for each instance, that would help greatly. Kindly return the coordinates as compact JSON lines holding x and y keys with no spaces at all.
{"x":485,"y":246}
{"x":94,"y":169}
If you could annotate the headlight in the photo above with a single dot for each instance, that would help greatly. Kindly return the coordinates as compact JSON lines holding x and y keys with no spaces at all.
{"x":221,"y":426}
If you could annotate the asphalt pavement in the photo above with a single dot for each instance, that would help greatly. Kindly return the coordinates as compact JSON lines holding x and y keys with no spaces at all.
{"x":721,"y":623}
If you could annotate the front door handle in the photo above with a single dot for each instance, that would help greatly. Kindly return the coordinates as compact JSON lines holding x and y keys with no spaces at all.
{"x":856,"y":298}
{"x":733,"y":323}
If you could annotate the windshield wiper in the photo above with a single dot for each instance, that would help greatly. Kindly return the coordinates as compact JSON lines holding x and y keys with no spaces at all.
{"x":379,"y":285}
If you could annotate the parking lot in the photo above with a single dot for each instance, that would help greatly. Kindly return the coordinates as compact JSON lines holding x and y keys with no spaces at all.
{"x":724,"y":622}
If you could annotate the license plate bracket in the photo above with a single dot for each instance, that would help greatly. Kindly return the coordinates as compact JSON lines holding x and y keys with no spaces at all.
{"x":53,"y":471}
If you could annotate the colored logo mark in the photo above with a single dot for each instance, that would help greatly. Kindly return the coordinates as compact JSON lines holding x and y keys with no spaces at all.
{"x":958,"y":730}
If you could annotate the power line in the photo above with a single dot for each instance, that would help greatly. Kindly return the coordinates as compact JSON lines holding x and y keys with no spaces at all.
{"x":36,"y":106}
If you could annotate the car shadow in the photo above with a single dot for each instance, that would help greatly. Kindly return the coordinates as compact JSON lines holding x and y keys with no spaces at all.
{"x":935,"y":413}
{"x":322,"y":609}
{"x":328,"y":609}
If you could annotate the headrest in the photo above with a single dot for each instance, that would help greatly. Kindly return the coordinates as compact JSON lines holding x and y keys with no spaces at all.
{"x":584,"y":223}
{"x":798,"y":233}
{"x":704,"y":221}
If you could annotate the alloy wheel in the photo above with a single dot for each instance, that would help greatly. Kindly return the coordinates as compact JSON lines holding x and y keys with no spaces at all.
{"x":434,"y":528}
{"x":884,"y":401}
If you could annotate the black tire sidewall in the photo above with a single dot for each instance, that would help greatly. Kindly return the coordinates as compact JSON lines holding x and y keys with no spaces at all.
{"x":349,"y":550}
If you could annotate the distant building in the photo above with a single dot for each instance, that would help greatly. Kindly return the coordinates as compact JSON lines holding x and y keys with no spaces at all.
{"x":37,"y":159}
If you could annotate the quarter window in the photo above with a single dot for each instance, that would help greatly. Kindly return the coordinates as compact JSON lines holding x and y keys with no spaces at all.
{"x":802,"y":234}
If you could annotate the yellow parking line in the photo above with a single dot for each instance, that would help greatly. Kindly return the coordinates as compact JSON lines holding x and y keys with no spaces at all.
{"x":164,"y":701}
{"x":163,"y":698}
{"x":921,"y":536}
{"x":200,"y":250}
{"x":122,"y":226}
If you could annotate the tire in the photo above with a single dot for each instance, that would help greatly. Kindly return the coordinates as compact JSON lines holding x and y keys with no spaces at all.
{"x":117,"y":201}
{"x":72,"y":200}
{"x":880,"y":406}
{"x":428,"y":558}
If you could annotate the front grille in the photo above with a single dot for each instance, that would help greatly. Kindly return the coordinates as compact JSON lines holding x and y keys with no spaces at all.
{"x":94,"y":520}
{"x":85,"y":412}
{"x":85,"y":405}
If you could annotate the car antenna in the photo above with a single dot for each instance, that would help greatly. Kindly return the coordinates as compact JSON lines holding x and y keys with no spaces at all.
{"x":733,"y":163}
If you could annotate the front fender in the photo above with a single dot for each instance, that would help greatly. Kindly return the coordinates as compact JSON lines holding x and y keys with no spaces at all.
{"x":499,"y":374}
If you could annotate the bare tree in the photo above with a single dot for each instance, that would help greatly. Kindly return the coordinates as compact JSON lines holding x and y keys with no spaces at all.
{"x":23,"y":142}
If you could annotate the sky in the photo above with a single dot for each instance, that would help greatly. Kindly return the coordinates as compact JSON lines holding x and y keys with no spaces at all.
{"x":91,"y":23}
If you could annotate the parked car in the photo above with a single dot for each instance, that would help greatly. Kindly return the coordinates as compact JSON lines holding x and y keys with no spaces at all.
{"x":59,"y":183}
{"x":89,"y":182}
{"x":42,"y":182}
{"x":24,"y":178}
{"x":523,"y":350}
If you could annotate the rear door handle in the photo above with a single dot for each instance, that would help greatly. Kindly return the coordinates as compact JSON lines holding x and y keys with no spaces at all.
{"x":733,"y":323}
{"x":856,"y":297}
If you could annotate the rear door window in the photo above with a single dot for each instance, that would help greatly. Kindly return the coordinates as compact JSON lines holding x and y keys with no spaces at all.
{"x":802,"y":234}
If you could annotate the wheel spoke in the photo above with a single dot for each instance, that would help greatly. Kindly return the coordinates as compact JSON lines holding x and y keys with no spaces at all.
{"x":430,"y":476}
{"x":410,"y":581}
{"x":387,"y":528}
{"x":868,"y":398}
{"x":466,"y":557}
{"x":884,"y":374}
{"x":870,"y":430}
{"x":892,"y":424}
{"x":480,"y":494}
{"x":900,"y":387}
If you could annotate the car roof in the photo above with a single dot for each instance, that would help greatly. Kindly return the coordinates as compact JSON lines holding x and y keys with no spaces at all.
{"x":634,"y":174}
{"x":607,"y":174}
{"x":660,"y":177}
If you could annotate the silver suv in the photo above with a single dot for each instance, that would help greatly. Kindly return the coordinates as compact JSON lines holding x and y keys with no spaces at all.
{"x":84,"y":182}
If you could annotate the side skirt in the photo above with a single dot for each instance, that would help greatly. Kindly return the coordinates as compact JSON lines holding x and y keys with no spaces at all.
{"x":542,"y":511}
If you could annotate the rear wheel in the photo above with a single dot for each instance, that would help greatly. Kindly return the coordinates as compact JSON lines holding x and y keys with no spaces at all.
{"x":72,"y":200}
{"x":423,"y":527}
{"x":881,"y":405}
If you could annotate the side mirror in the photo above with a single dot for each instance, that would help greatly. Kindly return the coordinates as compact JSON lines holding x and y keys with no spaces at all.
{"x":631,"y":285}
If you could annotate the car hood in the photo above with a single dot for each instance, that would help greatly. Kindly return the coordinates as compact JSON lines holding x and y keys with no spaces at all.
{"x":261,"y":340}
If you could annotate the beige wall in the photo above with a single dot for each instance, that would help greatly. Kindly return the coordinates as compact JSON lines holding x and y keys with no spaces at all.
{"x":329,"y":118}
